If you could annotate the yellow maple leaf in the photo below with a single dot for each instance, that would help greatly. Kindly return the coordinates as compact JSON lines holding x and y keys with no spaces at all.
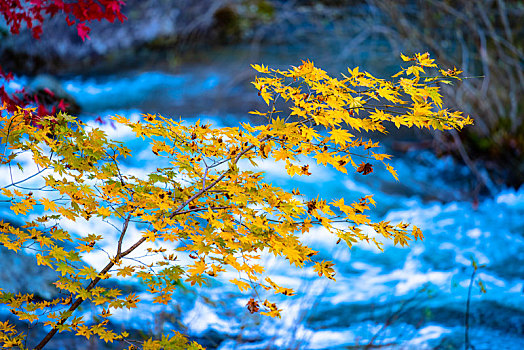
{"x":340,"y":136}
{"x":323,"y":158}
{"x":103,"y":211}
{"x":392,"y":171}
{"x":424,"y":60}
{"x":243,"y":286}
{"x":415,"y":70}
{"x":197,"y":268}
{"x":48,"y":205}
{"x":281,"y":154}
{"x":260,"y":68}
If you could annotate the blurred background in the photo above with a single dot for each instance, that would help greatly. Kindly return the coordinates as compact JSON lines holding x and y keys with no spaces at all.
{"x":191,"y":59}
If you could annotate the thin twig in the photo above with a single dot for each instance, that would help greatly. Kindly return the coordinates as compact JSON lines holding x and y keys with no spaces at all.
{"x":467,"y":344}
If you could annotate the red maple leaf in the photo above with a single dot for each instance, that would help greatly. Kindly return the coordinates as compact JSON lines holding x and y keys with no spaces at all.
{"x":62,"y":105}
{"x":83,"y":31}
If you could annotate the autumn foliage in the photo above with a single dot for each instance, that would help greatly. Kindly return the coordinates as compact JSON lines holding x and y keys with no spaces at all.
{"x":207,"y":209}
{"x":32,"y":14}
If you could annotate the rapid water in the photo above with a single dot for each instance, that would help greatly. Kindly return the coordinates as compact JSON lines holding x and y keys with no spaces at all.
{"x":406,"y":297}
{"x":403,"y":298}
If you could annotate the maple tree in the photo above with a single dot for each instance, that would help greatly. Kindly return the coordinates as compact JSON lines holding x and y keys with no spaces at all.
{"x":209,"y":203}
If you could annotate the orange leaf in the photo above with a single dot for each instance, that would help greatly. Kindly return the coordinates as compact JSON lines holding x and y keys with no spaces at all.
{"x":365,"y":168}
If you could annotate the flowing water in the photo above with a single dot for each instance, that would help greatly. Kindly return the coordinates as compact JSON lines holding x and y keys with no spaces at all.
{"x":403,"y":298}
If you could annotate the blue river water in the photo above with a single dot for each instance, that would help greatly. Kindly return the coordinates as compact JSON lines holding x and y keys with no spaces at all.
{"x":403,"y":298}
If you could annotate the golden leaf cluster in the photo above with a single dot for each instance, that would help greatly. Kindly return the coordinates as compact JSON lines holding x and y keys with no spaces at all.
{"x":208,"y":210}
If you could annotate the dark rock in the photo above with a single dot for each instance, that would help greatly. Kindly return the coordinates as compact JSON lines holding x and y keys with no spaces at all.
{"x":61,"y":50}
